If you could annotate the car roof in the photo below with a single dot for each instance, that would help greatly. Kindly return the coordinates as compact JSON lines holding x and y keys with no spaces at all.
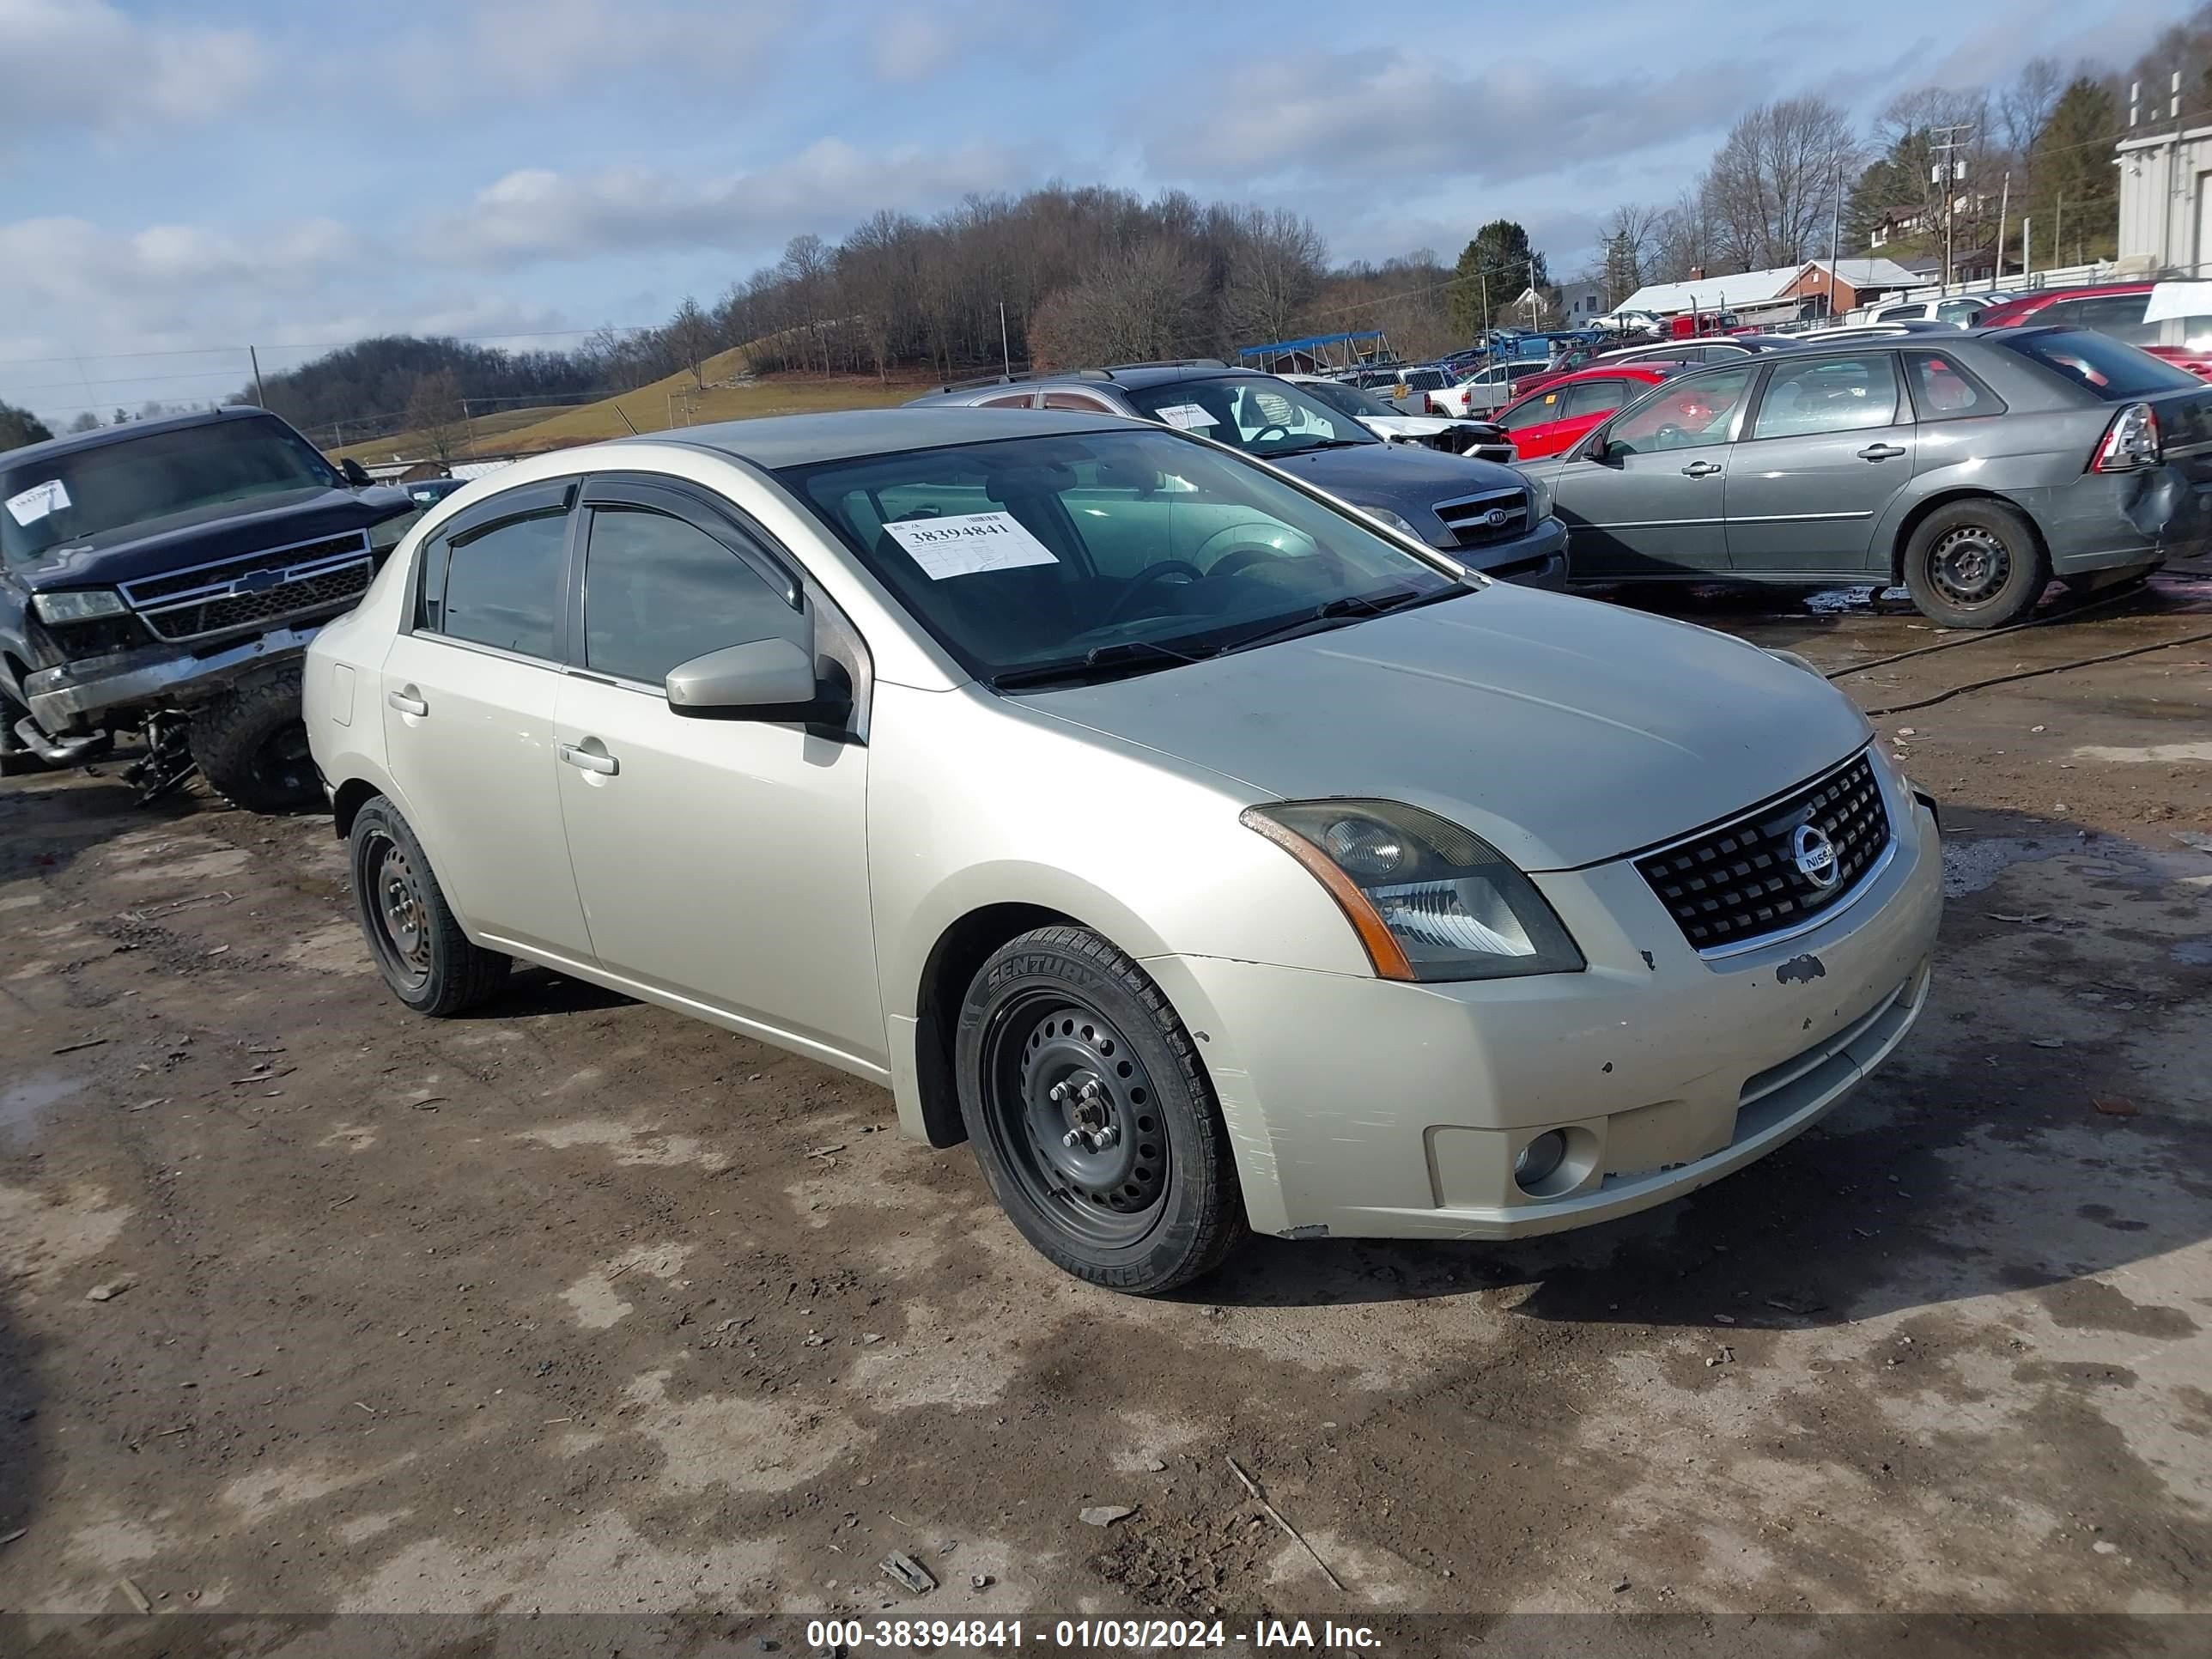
{"x":71,"y":443}
{"x":775,"y":442}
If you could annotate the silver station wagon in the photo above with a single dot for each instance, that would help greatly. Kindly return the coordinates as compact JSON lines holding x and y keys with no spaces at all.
{"x":1209,"y":856}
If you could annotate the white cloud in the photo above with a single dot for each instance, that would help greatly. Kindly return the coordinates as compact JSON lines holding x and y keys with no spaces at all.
{"x":73,"y":262}
{"x":996,"y":36}
{"x":82,"y":63}
{"x":536,"y":212}
{"x":912,"y":47}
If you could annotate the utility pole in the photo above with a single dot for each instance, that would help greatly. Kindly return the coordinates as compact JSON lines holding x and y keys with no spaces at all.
{"x":1006,"y":352}
{"x":2004,"y":207}
{"x":1948,"y":171}
{"x":261,"y":393}
{"x":2057,"y":231}
{"x":1835,"y":237}
{"x":2026,"y":249}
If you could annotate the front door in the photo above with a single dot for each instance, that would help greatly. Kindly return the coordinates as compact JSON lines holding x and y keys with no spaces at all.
{"x":722,"y":863}
{"x":1829,"y":445}
{"x":1652,"y":504}
{"x":468,"y":692}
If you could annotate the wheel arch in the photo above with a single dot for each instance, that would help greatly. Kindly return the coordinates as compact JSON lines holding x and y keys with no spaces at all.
{"x":1918,"y":513}
{"x":946,"y":972}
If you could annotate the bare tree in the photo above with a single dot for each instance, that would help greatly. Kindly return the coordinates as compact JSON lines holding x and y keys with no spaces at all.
{"x":1684,"y":240}
{"x":693,"y":334}
{"x":1151,"y":303}
{"x":85,"y":421}
{"x":1772,"y":185}
{"x":437,"y":415}
{"x":2024,"y":106}
{"x":1626,"y":242}
{"x":1274,"y":271}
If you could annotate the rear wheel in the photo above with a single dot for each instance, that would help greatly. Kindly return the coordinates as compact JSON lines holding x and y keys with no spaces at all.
{"x":251,"y":745}
{"x":430,"y":964}
{"x":1092,"y":1117}
{"x":1975,"y":564}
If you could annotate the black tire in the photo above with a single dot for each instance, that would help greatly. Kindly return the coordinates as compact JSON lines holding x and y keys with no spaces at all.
{"x":430,"y":964}
{"x":251,"y":745}
{"x":16,"y":760}
{"x":1145,"y":1211}
{"x":1976,"y":564}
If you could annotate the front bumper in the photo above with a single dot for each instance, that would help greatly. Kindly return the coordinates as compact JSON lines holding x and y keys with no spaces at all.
{"x":1538,"y":559}
{"x":1360,"y":1107}
{"x":76,"y":695}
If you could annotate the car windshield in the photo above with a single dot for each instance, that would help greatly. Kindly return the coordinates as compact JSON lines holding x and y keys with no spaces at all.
{"x":2114,"y":370}
{"x":1346,"y":399}
{"x":81,"y":494}
{"x":1075,"y":556}
{"x":1255,"y":413}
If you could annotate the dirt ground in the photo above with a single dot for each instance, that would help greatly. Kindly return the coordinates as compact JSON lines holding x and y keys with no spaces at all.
{"x":578,"y":1306}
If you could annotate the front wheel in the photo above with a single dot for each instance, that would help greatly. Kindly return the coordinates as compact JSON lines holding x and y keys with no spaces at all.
{"x":1975,"y":564}
{"x":1092,"y":1117}
{"x":251,"y":745}
{"x":430,"y":964}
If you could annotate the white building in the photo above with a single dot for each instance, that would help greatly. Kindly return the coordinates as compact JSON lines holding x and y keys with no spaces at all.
{"x":1781,"y":294}
{"x":2165,"y":203}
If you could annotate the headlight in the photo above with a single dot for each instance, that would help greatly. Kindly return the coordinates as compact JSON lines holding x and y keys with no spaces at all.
{"x":1428,"y":899}
{"x":81,"y":604}
{"x":383,"y":537}
{"x":1539,"y":498}
{"x":1403,"y":527}
{"x":1794,"y":661}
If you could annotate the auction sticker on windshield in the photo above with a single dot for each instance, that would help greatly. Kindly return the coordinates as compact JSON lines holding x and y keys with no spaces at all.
{"x":1188,"y":416}
{"x":36,"y":503}
{"x":967,"y":544}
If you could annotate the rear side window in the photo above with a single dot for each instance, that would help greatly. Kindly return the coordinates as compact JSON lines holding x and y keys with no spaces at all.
{"x":503,"y":585}
{"x":658,"y":592}
{"x":1593,"y":397}
{"x":1942,"y":390}
{"x":2098,"y":364}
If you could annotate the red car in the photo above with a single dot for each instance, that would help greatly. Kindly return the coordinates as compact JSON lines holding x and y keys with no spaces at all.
{"x":1549,"y":419}
{"x":2119,"y":309}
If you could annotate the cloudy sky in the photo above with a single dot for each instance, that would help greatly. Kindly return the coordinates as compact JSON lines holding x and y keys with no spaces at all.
{"x":177,"y":179}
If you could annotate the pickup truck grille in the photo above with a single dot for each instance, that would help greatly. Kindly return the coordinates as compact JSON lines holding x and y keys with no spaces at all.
{"x":1729,"y":886}
{"x":311,"y":577}
{"x":1495,"y":515}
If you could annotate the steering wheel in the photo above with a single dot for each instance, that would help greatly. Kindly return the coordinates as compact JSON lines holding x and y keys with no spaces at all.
{"x":1279,"y":431}
{"x":1669,"y":436}
{"x":1143,"y":582}
{"x":1237,"y":558}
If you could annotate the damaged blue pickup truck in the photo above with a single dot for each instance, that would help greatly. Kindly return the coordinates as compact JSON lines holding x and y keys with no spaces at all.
{"x":164,"y":577}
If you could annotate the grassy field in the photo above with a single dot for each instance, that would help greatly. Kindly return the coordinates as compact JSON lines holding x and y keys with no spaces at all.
{"x":675,"y":401}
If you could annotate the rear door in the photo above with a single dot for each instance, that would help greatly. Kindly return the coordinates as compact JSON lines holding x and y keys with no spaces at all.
{"x":1829,"y":445}
{"x":1653,"y":504}
{"x":469,"y":692}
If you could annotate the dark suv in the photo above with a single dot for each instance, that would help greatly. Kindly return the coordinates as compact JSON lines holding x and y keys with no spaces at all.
{"x":168,"y":575}
{"x":1489,"y":517}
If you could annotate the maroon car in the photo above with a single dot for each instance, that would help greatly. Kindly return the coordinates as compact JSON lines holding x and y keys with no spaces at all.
{"x":2122,"y":310}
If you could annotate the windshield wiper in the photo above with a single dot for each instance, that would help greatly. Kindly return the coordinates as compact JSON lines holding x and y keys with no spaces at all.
{"x":1343,"y":609}
{"x":1105,"y":661}
{"x":1330,"y":443}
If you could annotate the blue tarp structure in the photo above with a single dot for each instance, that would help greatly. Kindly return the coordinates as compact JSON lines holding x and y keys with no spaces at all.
{"x":1312,"y":347}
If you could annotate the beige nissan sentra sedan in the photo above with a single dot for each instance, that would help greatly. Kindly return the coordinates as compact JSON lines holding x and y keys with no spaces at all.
{"x":1208,"y":855}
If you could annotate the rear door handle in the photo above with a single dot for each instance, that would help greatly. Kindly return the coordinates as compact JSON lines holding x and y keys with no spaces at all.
{"x":1881,"y":451}
{"x":605,"y":765}
{"x":406,"y":702}
{"x":1701,"y":469}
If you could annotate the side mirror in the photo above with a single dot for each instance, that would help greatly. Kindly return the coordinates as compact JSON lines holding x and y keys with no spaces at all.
{"x":355,"y":473}
{"x":771,"y":680}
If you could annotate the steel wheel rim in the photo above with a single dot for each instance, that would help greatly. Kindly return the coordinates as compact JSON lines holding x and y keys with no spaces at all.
{"x":397,"y":908}
{"x":1969,"y":566}
{"x":285,"y":757}
{"x":1075,"y":1115}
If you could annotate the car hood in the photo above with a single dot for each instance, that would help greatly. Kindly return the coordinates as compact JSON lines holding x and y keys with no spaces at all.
{"x":227,"y":531}
{"x":1563,"y":730}
{"x":1407,"y":480}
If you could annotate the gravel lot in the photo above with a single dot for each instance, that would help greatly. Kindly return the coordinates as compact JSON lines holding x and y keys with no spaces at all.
{"x":579,"y":1306}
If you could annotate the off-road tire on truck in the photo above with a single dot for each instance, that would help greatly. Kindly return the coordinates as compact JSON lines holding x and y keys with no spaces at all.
{"x":251,"y":745}
{"x":1092,"y":1116}
{"x":430,"y":964}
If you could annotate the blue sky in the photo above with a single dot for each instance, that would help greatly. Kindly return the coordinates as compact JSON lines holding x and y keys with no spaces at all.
{"x":175,"y":177}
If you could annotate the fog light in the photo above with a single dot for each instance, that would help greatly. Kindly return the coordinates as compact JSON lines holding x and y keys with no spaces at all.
{"x":1538,"y":1158}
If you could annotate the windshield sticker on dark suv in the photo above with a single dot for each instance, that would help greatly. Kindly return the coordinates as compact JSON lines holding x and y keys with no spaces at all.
{"x":1188,"y":416}
{"x":969,"y":544}
{"x":33,"y":504}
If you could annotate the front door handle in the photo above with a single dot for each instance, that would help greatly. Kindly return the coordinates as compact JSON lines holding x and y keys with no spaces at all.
{"x":605,"y":765}
{"x":407,"y":702}
{"x":1881,"y":452}
{"x":1701,"y":469}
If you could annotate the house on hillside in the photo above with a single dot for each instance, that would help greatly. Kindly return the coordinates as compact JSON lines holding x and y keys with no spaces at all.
{"x":1784,"y":294}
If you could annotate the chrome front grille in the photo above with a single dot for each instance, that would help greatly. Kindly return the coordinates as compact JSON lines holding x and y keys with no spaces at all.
{"x":1732,"y":885}
{"x":306,"y":579}
{"x":1495,"y":515}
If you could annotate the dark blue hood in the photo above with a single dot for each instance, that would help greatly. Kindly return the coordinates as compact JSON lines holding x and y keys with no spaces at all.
{"x":225,"y":530}
{"x":1407,"y":480}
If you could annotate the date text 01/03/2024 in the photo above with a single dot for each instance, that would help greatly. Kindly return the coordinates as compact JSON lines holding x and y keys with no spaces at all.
{"x":828,"y":1635}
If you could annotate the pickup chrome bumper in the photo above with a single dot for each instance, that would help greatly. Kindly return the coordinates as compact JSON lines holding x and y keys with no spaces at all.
{"x":67,"y":699}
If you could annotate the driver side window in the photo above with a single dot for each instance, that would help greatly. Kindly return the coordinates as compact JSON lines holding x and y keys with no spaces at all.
{"x":1693,"y":414}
